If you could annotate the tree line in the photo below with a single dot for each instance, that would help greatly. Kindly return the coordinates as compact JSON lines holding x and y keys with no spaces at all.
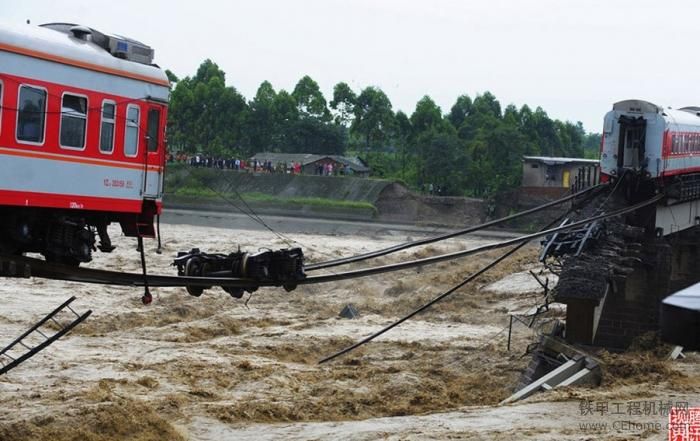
{"x":473,"y":149}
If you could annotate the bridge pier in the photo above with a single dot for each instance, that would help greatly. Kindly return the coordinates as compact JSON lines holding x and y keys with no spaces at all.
{"x":630,"y":305}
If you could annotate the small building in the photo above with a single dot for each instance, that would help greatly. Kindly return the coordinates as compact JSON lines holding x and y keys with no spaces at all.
{"x":311,"y":163}
{"x":548,"y":171}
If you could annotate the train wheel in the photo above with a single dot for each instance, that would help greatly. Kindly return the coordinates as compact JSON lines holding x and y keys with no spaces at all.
{"x":233,"y":291}
{"x":193,"y":268}
{"x":204,"y":271}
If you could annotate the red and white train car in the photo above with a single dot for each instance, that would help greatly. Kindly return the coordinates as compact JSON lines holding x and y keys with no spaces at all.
{"x":656,"y":149}
{"x":639,"y":136}
{"x":82,"y":139}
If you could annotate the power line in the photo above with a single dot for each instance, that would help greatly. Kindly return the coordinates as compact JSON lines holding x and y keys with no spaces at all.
{"x":430,"y":240}
{"x":435,"y":300}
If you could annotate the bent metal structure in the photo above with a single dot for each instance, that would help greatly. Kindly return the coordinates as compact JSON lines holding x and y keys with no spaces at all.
{"x":82,"y":144}
{"x":614,"y":288}
{"x":82,"y":139}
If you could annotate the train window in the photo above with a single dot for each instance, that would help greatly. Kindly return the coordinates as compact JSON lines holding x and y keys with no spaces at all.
{"x":152,"y":129}
{"x":31,"y":115}
{"x":73,"y":121}
{"x":109,"y":109}
{"x":0,"y":106}
{"x":131,"y":140}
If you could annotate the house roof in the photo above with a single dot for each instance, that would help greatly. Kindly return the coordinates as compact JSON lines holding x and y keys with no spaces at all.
{"x":308,"y":158}
{"x":557,"y":160}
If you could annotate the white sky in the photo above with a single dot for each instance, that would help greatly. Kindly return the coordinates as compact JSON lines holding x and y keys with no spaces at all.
{"x":573,"y":58}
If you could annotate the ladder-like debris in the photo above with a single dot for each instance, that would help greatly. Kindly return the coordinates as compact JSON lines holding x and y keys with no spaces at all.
{"x":8,"y":361}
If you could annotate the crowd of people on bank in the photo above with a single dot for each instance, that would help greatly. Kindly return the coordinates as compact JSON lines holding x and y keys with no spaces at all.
{"x":321,"y":168}
{"x":253,"y":165}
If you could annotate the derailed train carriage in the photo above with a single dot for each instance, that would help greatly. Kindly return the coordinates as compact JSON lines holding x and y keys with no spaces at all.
{"x":82,"y":139}
{"x":614,"y":289}
{"x":643,"y":141}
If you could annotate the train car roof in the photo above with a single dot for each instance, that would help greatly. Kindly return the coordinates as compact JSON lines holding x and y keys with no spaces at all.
{"x":640,"y":106}
{"x":51,"y":45}
{"x":682,"y":117}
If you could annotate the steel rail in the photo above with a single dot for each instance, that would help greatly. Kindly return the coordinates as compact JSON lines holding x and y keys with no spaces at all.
{"x":437,"y":299}
{"x":429,"y":240}
{"x":464,"y":253}
{"x":40,"y":268}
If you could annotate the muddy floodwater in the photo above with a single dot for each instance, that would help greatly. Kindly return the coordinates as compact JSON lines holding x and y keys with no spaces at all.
{"x":214,"y":367}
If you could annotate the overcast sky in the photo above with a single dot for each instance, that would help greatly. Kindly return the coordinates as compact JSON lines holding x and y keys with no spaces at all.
{"x":573,"y":58}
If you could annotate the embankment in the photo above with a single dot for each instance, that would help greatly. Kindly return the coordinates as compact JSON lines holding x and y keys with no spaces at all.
{"x":330,"y":197}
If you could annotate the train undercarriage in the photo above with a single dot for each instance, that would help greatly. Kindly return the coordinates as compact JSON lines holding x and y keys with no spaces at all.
{"x":69,"y":237}
{"x":64,"y":237}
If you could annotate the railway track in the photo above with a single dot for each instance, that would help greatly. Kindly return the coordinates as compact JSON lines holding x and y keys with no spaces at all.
{"x":43,"y":269}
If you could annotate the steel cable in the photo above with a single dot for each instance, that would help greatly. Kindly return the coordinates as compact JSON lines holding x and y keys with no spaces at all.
{"x":407,"y":245}
{"x":435,"y":300}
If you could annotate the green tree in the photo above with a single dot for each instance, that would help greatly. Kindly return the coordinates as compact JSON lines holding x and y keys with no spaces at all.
{"x":263,"y":122}
{"x":591,"y":145}
{"x":206,"y":115}
{"x":171,"y":76}
{"x":310,"y":135}
{"x":402,"y":135}
{"x":208,"y":70}
{"x":426,"y":116}
{"x":487,"y":104}
{"x":484,"y":115}
{"x":444,"y":162}
{"x":439,"y":155}
{"x":460,"y":110}
{"x":374,"y":118}
{"x":343,"y":103}
{"x":309,"y":99}
{"x":286,"y":114}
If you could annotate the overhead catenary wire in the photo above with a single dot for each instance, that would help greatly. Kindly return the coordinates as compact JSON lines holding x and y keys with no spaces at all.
{"x":251,"y":213}
{"x":435,"y":300}
{"x":464,"y":253}
{"x":415,"y":243}
{"x":447,"y":293}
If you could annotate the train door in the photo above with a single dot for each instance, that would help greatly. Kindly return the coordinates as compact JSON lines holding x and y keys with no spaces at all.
{"x":155,"y":151}
{"x":630,"y":150}
{"x":565,"y":179}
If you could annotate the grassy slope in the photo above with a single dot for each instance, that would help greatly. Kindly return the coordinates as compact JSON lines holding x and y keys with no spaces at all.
{"x":213,"y":186}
